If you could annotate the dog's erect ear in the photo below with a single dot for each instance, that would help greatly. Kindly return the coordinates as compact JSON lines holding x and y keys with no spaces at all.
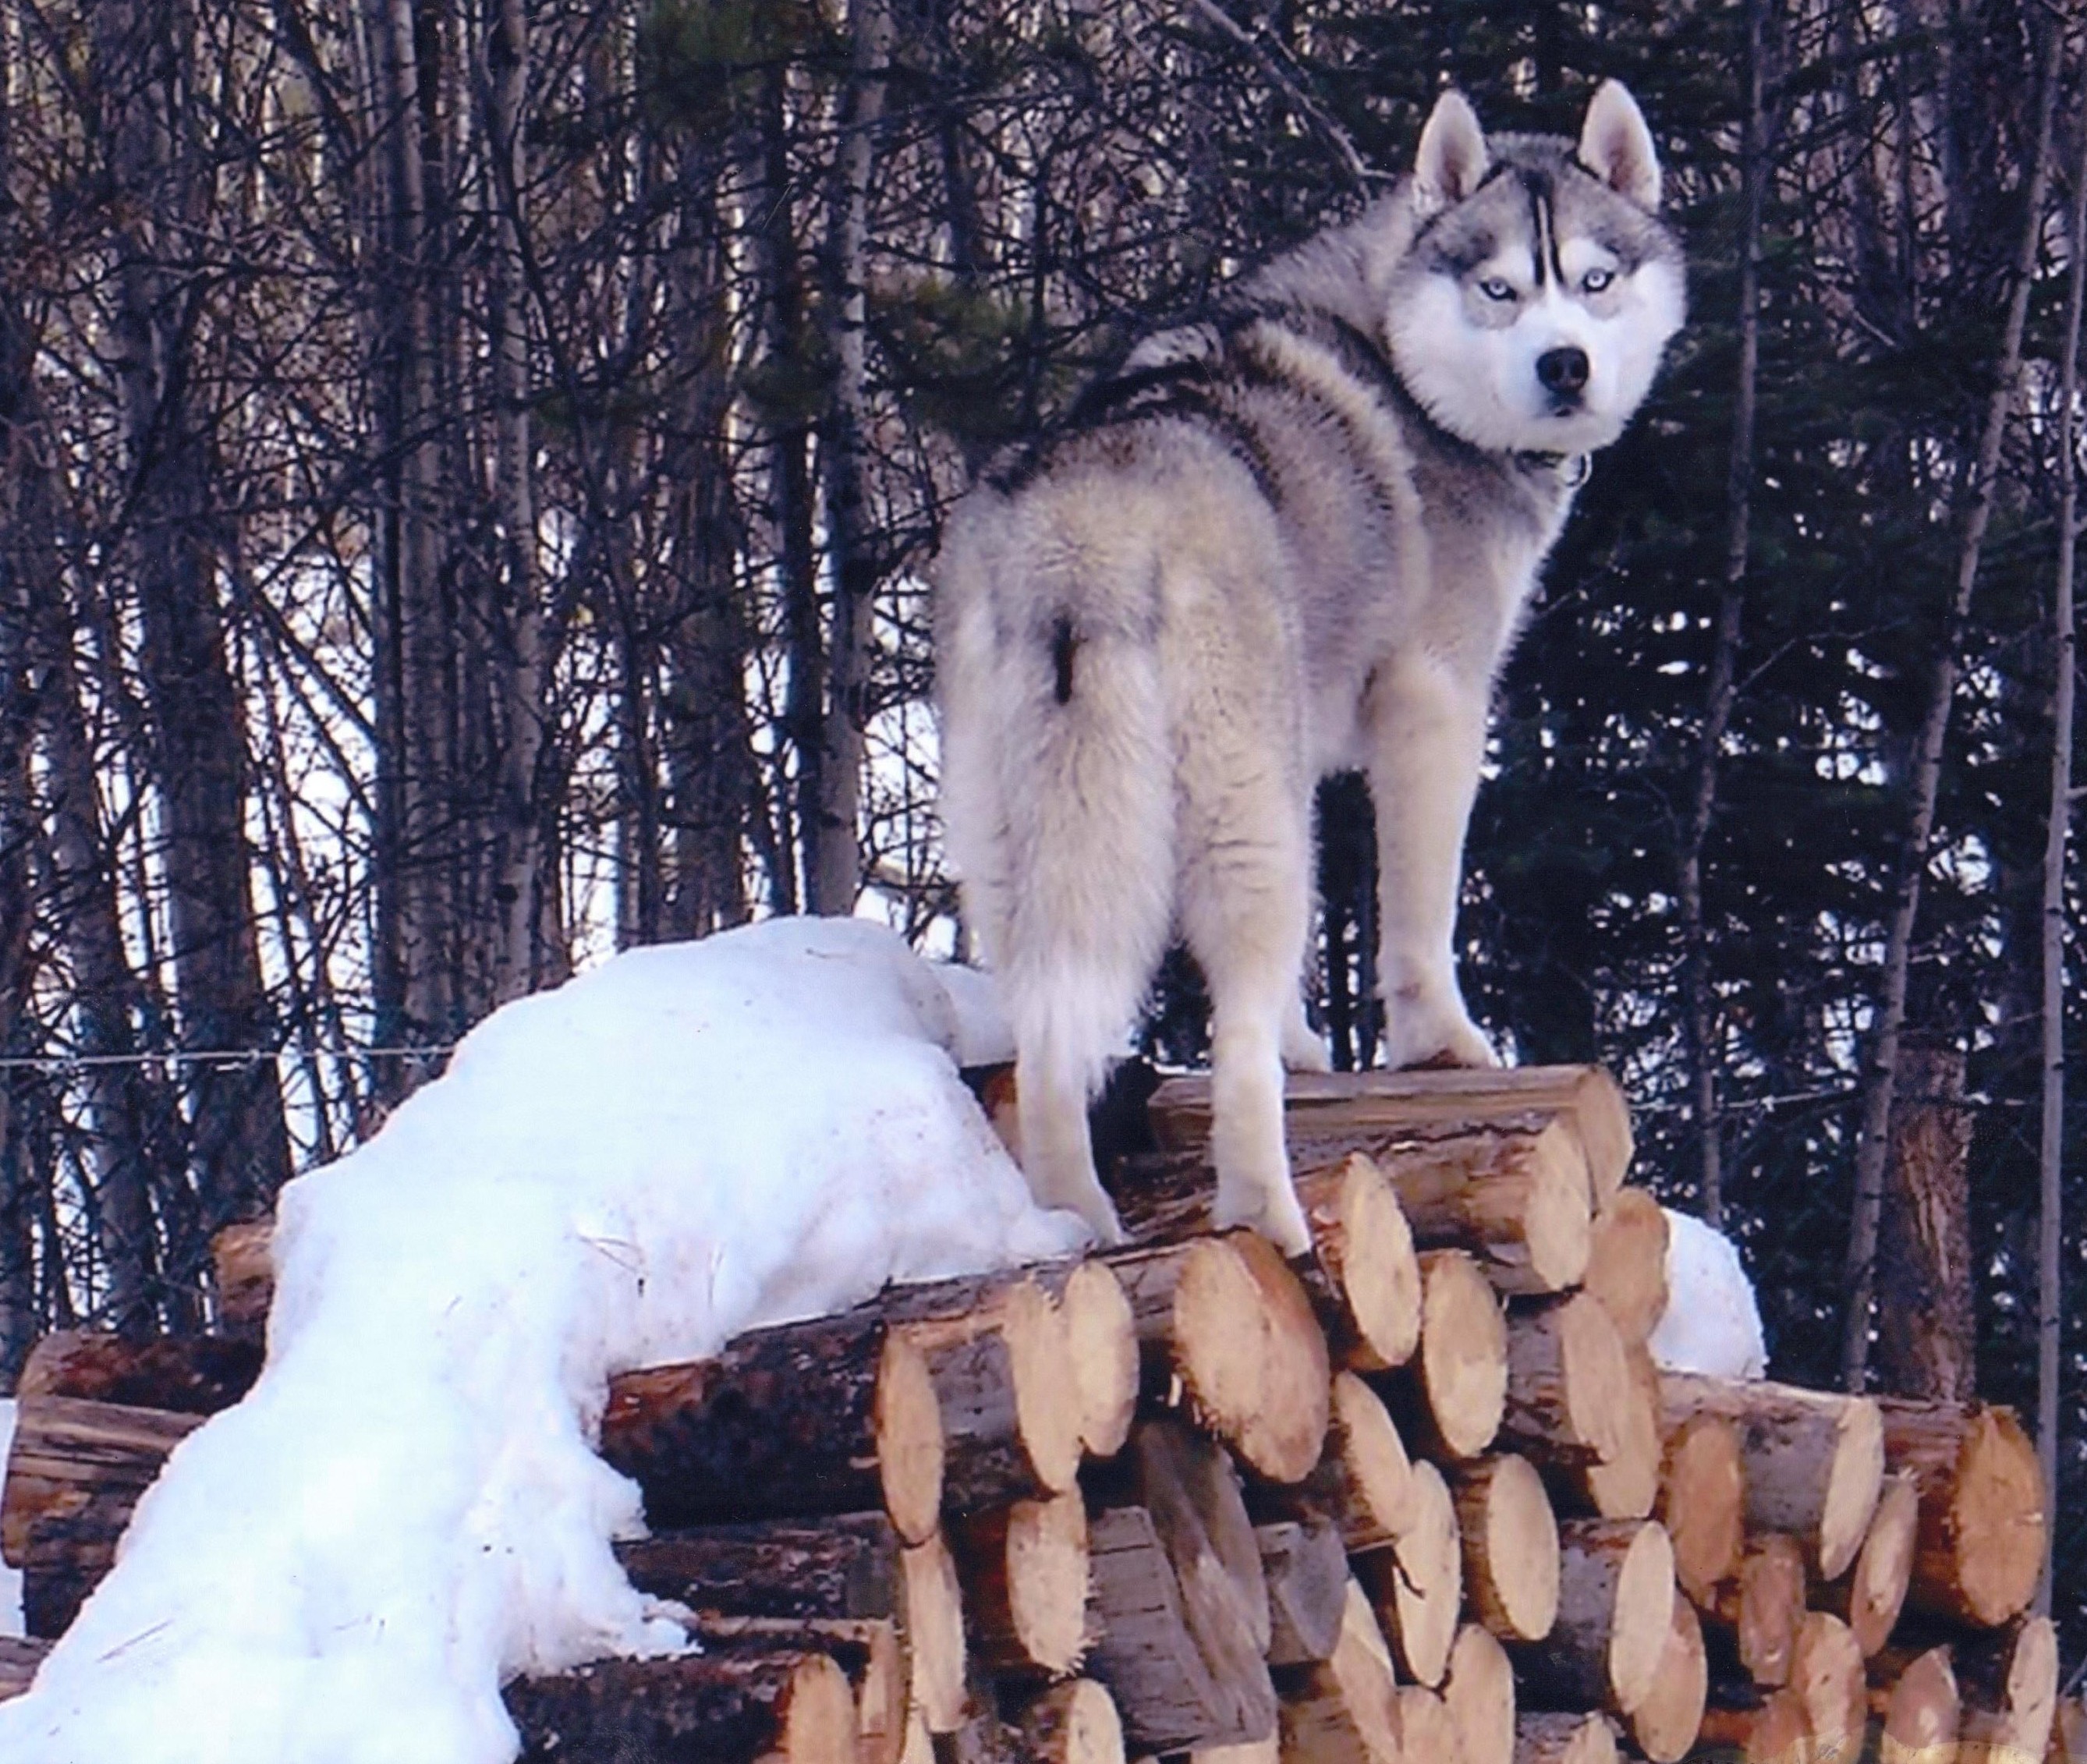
{"x":1616,"y":146}
{"x":1453,"y":155}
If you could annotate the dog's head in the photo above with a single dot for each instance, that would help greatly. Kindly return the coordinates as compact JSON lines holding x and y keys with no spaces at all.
{"x":1539,"y":288}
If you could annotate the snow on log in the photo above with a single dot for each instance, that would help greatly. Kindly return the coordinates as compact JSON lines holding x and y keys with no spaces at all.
{"x":792,"y":1707}
{"x":1564,"y":1736}
{"x":1869,"y":1597}
{"x":1702,"y":1502}
{"x":1979,"y":1546}
{"x":1074,"y":1723}
{"x":1224,"y":1328}
{"x":1921,"y":1712}
{"x":1752,"y":1620}
{"x":831,"y":1415}
{"x":1306,"y":1570}
{"x":1615,"y":1607}
{"x":74,"y":1475}
{"x":1345,"y":1711}
{"x":1418,"y":1584}
{"x":1814,"y":1460}
{"x":1627,"y":1263}
{"x":1663,"y":1727}
{"x":1451,"y":1398}
{"x":1510,"y":1534}
{"x":1480,"y":1695}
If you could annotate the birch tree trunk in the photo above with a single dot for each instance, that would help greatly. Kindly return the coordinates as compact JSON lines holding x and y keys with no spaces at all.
{"x":2051,"y":1217}
{"x":1873,"y":1145}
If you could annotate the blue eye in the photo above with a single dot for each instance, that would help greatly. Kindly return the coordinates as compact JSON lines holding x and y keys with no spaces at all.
{"x":1595,"y":280}
{"x":1494,"y":289}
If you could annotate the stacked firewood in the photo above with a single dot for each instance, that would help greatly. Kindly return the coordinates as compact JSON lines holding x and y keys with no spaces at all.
{"x":1420,"y":1497}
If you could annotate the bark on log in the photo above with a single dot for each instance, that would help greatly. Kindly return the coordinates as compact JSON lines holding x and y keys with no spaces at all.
{"x":847,"y":1566}
{"x":1315,"y":1102}
{"x":1615,"y":1607}
{"x":868,"y":1649}
{"x":833,"y":1415}
{"x":1306,"y":1570}
{"x":998,"y":1351}
{"x":1926,"y":1336}
{"x":180,"y":1374}
{"x":1564,"y":1736}
{"x":1345,"y":1711}
{"x":935,"y":1633}
{"x":1826,"y":1672}
{"x":1480,"y":1695}
{"x":73,"y":1476}
{"x":1418,"y":1584}
{"x":1627,"y":1263}
{"x":1074,"y":1723}
{"x":2008,"y":1681}
{"x":1772,"y":1731}
{"x":1752,"y":1619}
{"x":1869,"y":1597}
{"x":1225,"y":1330}
{"x":1453,"y":1398}
{"x":1172,"y":1695}
{"x":244,"y":1268}
{"x":20,"y":1657}
{"x":721,"y":1709}
{"x":1579,"y":1411}
{"x":1665,"y":1725}
{"x":1509,"y":1535}
{"x":1024,"y":1571}
{"x":1979,"y":1548}
{"x":1814,"y":1460}
{"x":1922,"y":1714}
{"x":1702,"y":1503}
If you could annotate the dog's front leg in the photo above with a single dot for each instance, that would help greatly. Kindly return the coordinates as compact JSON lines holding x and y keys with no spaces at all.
{"x":1427,"y":734}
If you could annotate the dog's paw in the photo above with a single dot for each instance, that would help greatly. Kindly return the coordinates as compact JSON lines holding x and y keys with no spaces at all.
{"x":1443,"y":1035}
{"x":1107,"y":1229}
{"x":1274,"y":1213}
{"x":1303,"y":1051}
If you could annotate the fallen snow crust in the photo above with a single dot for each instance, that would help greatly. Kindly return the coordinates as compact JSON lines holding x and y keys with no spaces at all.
{"x":1712,"y":1323}
{"x":689,"y":1141}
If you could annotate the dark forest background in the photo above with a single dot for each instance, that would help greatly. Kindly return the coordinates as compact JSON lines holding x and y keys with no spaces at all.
{"x":466,"y":472}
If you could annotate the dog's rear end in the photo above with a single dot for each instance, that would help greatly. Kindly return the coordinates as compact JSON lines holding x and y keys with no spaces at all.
{"x":1057,"y":792}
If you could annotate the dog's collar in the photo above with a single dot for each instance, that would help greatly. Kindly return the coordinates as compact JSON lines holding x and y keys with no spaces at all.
{"x":1572,"y":468}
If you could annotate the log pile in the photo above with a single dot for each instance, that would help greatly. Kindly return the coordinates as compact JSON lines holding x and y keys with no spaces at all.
{"x":1419,"y":1497}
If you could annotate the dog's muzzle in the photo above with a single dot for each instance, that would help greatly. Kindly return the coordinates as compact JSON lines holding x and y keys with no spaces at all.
{"x":1563,"y":374}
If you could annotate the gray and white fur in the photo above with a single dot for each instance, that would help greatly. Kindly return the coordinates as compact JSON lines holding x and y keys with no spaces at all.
{"x":1296,"y":538}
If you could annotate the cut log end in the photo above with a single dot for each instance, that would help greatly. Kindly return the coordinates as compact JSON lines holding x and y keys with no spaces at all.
{"x":1027,"y":1576}
{"x":1627,"y":1263}
{"x":2009,"y":1682}
{"x":1922,"y":1713}
{"x":1367,"y":1462}
{"x":1418,"y":1584}
{"x":935,"y":1626}
{"x":1425,"y":1726}
{"x":1463,"y":1353}
{"x":1346,"y":1711}
{"x":1762,"y":1608}
{"x":1509,"y":1535}
{"x":1479,"y":1692}
{"x":1571,"y":1737}
{"x":909,"y":1435}
{"x":1074,"y":1723}
{"x":1826,"y":1673}
{"x":1361,"y":1234}
{"x":1852,"y":1487}
{"x":1665,"y":1725}
{"x":1644,"y":1619}
{"x":1103,"y":1345}
{"x":1869,"y":1597}
{"x":1702,"y":1503}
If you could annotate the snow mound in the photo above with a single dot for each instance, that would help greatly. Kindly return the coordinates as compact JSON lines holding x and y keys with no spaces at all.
{"x":689,"y":1141}
{"x":1712,"y":1323}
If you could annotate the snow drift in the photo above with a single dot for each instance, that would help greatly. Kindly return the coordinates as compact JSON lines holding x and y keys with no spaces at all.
{"x":689,"y":1141}
{"x":1712,"y":1322}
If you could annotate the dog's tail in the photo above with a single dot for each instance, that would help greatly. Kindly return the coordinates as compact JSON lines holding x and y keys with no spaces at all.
{"x":1058,"y":789}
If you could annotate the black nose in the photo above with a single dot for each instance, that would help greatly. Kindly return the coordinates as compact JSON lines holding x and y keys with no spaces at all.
{"x":1563,"y":371}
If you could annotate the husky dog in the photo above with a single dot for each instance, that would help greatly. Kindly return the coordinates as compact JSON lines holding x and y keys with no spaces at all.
{"x":1292,"y":539}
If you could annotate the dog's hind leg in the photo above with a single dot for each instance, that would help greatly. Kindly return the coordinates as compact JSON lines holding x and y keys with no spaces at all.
{"x":1245,"y":902}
